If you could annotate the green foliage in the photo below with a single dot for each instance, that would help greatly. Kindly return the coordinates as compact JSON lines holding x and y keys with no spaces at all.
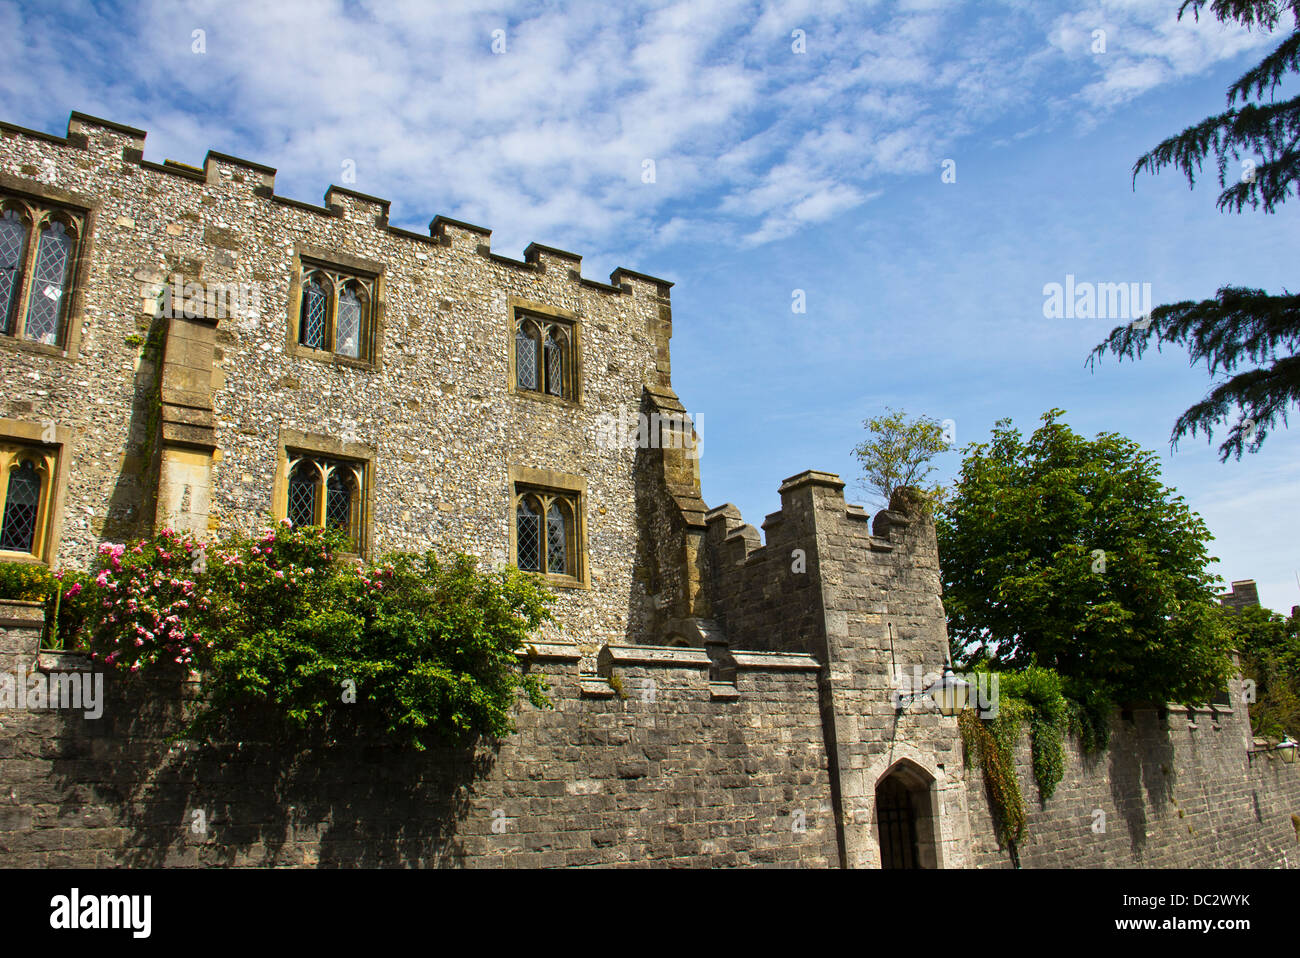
{"x":1239,"y":327}
{"x":898,"y":453}
{"x":1034,"y":697}
{"x":26,"y":581}
{"x":416,"y":647}
{"x":1070,"y":554}
{"x":1047,"y":705}
{"x":31,"y":582}
{"x":1270,"y":655}
{"x":998,"y":767}
{"x":69,"y":610}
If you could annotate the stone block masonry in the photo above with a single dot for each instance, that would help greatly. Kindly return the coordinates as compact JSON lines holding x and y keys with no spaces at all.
{"x":1176,"y":788}
{"x":666,"y":756}
{"x":678,"y":770}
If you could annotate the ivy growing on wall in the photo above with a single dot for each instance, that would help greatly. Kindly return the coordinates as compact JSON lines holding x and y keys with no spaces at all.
{"x":1044,"y":703}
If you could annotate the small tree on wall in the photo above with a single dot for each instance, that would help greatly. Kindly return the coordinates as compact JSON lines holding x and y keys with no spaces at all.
{"x":898,"y":453}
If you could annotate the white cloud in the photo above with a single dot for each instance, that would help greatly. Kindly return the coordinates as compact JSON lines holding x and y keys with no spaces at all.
{"x":751,"y":140}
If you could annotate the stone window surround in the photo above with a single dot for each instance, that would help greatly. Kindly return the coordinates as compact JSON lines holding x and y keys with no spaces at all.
{"x":54,"y":493}
{"x":516,"y":305}
{"x":86,"y":209}
{"x":314,"y":444}
{"x":524,"y":479}
{"x":307,"y":257}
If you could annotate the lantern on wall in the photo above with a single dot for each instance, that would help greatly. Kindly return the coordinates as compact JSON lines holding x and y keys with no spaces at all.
{"x":1287,"y":748}
{"x":949,"y":694}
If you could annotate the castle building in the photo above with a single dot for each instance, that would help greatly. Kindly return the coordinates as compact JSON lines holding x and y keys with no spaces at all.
{"x":181,"y":347}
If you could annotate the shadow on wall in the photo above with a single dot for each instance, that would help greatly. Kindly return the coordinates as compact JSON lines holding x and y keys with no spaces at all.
{"x":134,"y":498}
{"x":1141,"y":760}
{"x":254,"y":801}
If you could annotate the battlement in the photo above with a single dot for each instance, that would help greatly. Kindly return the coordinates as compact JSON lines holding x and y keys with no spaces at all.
{"x":739,"y":543}
{"x":104,"y":137}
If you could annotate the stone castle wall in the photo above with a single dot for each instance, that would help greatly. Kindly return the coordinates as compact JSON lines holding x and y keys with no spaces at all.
{"x":1173,"y":790}
{"x":867,"y":604}
{"x":756,"y":722}
{"x":679,"y":768}
{"x":681,"y":771}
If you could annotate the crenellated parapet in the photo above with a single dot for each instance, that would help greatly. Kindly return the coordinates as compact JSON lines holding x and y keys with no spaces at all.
{"x":253,"y":179}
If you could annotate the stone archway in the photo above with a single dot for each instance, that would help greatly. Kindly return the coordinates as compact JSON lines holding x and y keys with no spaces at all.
{"x":906,"y":823}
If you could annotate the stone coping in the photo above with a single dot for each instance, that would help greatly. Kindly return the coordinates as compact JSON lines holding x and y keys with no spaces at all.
{"x":783,"y":661}
{"x":666,"y":656}
{"x":19,"y":613}
{"x":550,"y":652}
{"x":51,"y":660}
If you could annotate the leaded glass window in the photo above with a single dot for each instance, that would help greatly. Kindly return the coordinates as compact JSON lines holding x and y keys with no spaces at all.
{"x":349,"y":336}
{"x":26,"y":473}
{"x":38,"y":258}
{"x":327,"y":492}
{"x":335,"y":312}
{"x":312,"y":334}
{"x":44,"y":305}
{"x":546,"y":532}
{"x":303,"y":482}
{"x":338,"y":500}
{"x":528,"y":532}
{"x":554,"y":364}
{"x":544,"y":356}
{"x":556,"y":540}
{"x":526,"y":355}
{"x":18,"y":533}
{"x":13,"y":241}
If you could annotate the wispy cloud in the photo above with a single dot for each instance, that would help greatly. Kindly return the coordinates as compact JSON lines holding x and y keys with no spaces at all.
{"x":756,"y":131}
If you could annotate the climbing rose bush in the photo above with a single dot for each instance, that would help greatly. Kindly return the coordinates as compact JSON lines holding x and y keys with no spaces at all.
{"x":420,"y":647}
{"x":142,"y":602}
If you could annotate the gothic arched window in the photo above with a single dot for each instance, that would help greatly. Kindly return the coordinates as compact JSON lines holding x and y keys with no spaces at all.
{"x":13,"y":243}
{"x":528,"y":532}
{"x":546,"y":532}
{"x":334,"y":313}
{"x":327,"y":492}
{"x":349,"y":324}
{"x":556,"y":343}
{"x":38,"y":257}
{"x":557,"y":540}
{"x":49,"y":279}
{"x":338,"y":500}
{"x":526,"y":351}
{"x":304,"y":486}
{"x":543,"y":355}
{"x":315,"y":314}
{"x":26,"y":474}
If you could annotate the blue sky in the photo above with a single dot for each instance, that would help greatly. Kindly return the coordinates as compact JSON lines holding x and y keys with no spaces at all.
{"x":774,"y":171}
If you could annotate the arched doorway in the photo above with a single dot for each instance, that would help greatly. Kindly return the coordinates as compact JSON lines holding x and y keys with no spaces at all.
{"x":905,"y":818}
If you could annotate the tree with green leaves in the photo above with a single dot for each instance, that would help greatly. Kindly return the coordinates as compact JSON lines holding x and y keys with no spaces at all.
{"x":898,"y":453}
{"x":1247,"y":338}
{"x":1067,"y":553}
{"x":1270,"y":656}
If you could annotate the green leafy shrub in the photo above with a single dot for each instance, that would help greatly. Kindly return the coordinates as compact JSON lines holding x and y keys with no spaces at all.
{"x":1050,"y":706}
{"x":999,"y":769}
{"x":416,"y":647}
{"x":26,"y":581}
{"x":1269,"y":644}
